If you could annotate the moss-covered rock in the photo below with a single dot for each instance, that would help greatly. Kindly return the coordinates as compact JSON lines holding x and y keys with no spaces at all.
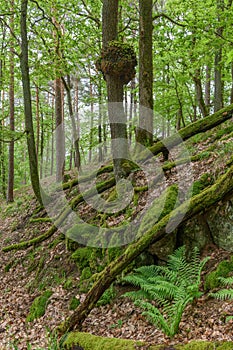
{"x":224,"y":269}
{"x":220,"y":221}
{"x":38,"y":306}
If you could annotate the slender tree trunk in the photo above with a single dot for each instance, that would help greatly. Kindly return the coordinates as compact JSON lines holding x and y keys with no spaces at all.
{"x":52,"y":138}
{"x":231,"y":83}
{"x":218,"y":84}
{"x":77,"y":121}
{"x":131,"y":109}
{"x":199,"y":93}
{"x":117,"y":118}
{"x":218,"y":95}
{"x":180,"y":117}
{"x":37,"y":122}
{"x":11,"y":166}
{"x":67,"y":86}
{"x":144,"y":133}
{"x":60,"y":147}
{"x":91,"y":117}
{"x":28,"y":104}
{"x":207,"y":88}
{"x":42,"y":147}
{"x":100,"y":120}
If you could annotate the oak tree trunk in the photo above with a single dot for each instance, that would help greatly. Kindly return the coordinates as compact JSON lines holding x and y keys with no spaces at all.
{"x":117,"y":117}
{"x":28,"y":103}
{"x":144,"y":133}
{"x":10,"y":188}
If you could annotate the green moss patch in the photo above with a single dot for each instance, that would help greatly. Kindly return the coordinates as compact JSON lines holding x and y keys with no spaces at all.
{"x":74,"y":303}
{"x":224,"y":269}
{"x":200,"y":185}
{"x":91,"y":342}
{"x":38,"y":306}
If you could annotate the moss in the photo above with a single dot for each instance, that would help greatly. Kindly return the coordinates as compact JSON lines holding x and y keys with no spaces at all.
{"x":85,"y":280}
{"x":158,"y":208}
{"x":108,"y":296}
{"x":113,"y":253}
{"x":224,"y":269}
{"x":204,"y":181}
{"x":40,"y":220}
{"x":11,"y":264}
{"x":118,"y":59}
{"x":74,"y":303}
{"x":92,"y":342}
{"x":86,"y":274}
{"x":82,"y":257}
{"x":198,"y":345}
{"x":113,"y":195}
{"x":225,"y":346}
{"x":38,"y":306}
{"x":68,"y":284}
{"x":87,"y":257}
{"x":56,"y":241}
{"x":71,"y":245}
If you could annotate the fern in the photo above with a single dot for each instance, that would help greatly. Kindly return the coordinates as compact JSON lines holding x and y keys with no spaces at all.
{"x":223,"y":294}
{"x":172,"y":287}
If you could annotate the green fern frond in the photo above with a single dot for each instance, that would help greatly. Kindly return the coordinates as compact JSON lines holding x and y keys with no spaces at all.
{"x":172,"y":287}
{"x":226,"y":281}
{"x":136,"y":295}
{"x":222,"y":294}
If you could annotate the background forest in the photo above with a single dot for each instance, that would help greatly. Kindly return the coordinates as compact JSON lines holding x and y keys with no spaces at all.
{"x":116,"y":172}
{"x":192,"y":76}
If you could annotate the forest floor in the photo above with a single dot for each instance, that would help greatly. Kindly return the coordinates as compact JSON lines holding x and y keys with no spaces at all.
{"x":206,"y":319}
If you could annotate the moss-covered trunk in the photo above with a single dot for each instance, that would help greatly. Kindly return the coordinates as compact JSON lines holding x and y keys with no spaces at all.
{"x":197,"y":127}
{"x":171,"y":220}
{"x":64,"y":214}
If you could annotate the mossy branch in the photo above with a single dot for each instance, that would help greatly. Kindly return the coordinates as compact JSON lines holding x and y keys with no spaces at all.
{"x":195,"y":128}
{"x":173,"y":219}
{"x":67,"y":210}
{"x":81,"y":179}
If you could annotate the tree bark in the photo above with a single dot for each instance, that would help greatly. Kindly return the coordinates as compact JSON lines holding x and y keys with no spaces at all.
{"x":208,"y":88}
{"x":28,"y":103}
{"x":144,"y":133}
{"x":60,"y":137}
{"x":117,"y":118}
{"x":199,"y":93}
{"x":77,"y":158}
{"x":11,"y":166}
{"x":218,"y":83}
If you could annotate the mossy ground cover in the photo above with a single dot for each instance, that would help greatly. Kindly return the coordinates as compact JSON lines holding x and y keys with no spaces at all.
{"x":91,"y":342}
{"x":224,"y":269}
{"x":38,"y":306}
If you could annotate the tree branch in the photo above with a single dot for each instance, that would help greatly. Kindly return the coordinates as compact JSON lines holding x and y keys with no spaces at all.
{"x":170,"y":19}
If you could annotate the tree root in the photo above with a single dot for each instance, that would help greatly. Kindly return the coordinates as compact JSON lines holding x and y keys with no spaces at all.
{"x":173,"y":219}
{"x":67,"y":210}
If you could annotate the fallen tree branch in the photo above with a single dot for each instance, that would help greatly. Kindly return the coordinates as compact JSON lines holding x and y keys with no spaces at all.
{"x":65,"y":212}
{"x":176,"y":217}
{"x":195,"y":128}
